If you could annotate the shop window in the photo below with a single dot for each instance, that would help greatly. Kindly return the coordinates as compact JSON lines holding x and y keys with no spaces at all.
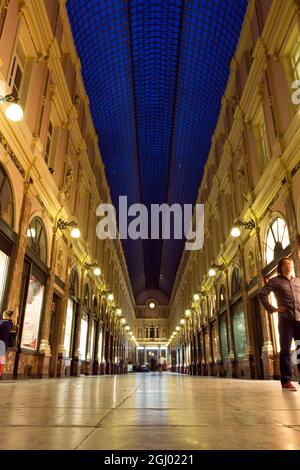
{"x":207,"y":347}
{"x":68,"y":328}
{"x":33,"y":312}
{"x":6,"y":199}
{"x":100,"y":344}
{"x":215,"y":343}
{"x":277,"y":239}
{"x":34,"y":290}
{"x":36,"y":239}
{"x":239,"y":330}
{"x":92,"y":340}
{"x":223,"y":336}
{"x":83,"y":336}
{"x":84,"y":323}
{"x":4,"y":263}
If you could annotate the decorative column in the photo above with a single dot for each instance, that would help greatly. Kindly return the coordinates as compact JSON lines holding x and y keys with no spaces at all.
{"x":267,"y":349}
{"x":60,"y":367}
{"x":15,"y":284}
{"x":18,"y":261}
{"x":249,"y":368}
{"x":230,"y":359}
{"x":75,"y":362}
{"x":45,"y":350}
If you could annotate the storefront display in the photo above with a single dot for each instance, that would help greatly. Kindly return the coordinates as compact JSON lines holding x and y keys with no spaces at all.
{"x":83,"y":338}
{"x":223,"y":336}
{"x":207,"y":347}
{"x":100,"y":344}
{"x":239,"y":329}
{"x":69,"y":328}
{"x":215,"y":343}
{"x":32,"y":314}
{"x":4,"y":263}
{"x":92,"y":340}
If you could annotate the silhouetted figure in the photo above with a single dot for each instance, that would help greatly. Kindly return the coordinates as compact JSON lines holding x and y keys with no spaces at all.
{"x":6,"y":326}
{"x":153,"y":364}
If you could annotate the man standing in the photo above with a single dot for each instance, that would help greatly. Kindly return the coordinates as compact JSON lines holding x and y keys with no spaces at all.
{"x":286,"y":289}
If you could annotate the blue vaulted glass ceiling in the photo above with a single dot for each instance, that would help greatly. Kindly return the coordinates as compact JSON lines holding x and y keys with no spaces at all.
{"x":155,"y":72}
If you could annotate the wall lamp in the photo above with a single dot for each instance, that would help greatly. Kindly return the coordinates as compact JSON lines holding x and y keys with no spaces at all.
{"x":203,"y":293}
{"x":248,"y":224}
{"x":14,"y":111}
{"x":214,"y":268}
{"x":97,"y":270}
{"x":118,"y":312}
{"x":63,"y":225}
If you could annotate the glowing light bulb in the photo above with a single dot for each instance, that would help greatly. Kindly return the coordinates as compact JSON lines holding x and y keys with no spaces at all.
{"x":14,"y":112}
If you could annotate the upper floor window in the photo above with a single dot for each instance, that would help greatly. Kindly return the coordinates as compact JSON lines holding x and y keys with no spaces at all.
{"x":6,"y":199}
{"x":49,"y":144}
{"x":36,"y":239}
{"x":74,"y":283}
{"x":17,"y":72}
{"x":295,"y":59}
{"x":277,"y":239}
{"x":263,"y":142}
{"x":4,"y":4}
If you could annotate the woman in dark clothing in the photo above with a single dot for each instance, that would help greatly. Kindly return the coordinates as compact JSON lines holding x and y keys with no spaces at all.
{"x":6,"y":325}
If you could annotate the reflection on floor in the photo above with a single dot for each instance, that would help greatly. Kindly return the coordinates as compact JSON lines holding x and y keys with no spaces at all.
{"x":144,"y":411}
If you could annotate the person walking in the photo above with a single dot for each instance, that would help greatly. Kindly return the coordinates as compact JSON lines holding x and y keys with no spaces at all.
{"x":6,"y":326}
{"x":161,"y":363}
{"x":286,"y":289}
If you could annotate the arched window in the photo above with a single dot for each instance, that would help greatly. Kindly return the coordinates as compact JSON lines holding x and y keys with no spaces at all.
{"x":73,"y":283}
{"x":36,"y":239}
{"x":86,"y":297}
{"x":277,"y":239}
{"x":6,"y":199}
{"x":95,"y":304}
{"x":222,"y":296}
{"x":213,"y":304}
{"x":235,"y":281}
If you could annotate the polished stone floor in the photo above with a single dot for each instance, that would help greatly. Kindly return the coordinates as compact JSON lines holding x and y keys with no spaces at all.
{"x":144,"y":411}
